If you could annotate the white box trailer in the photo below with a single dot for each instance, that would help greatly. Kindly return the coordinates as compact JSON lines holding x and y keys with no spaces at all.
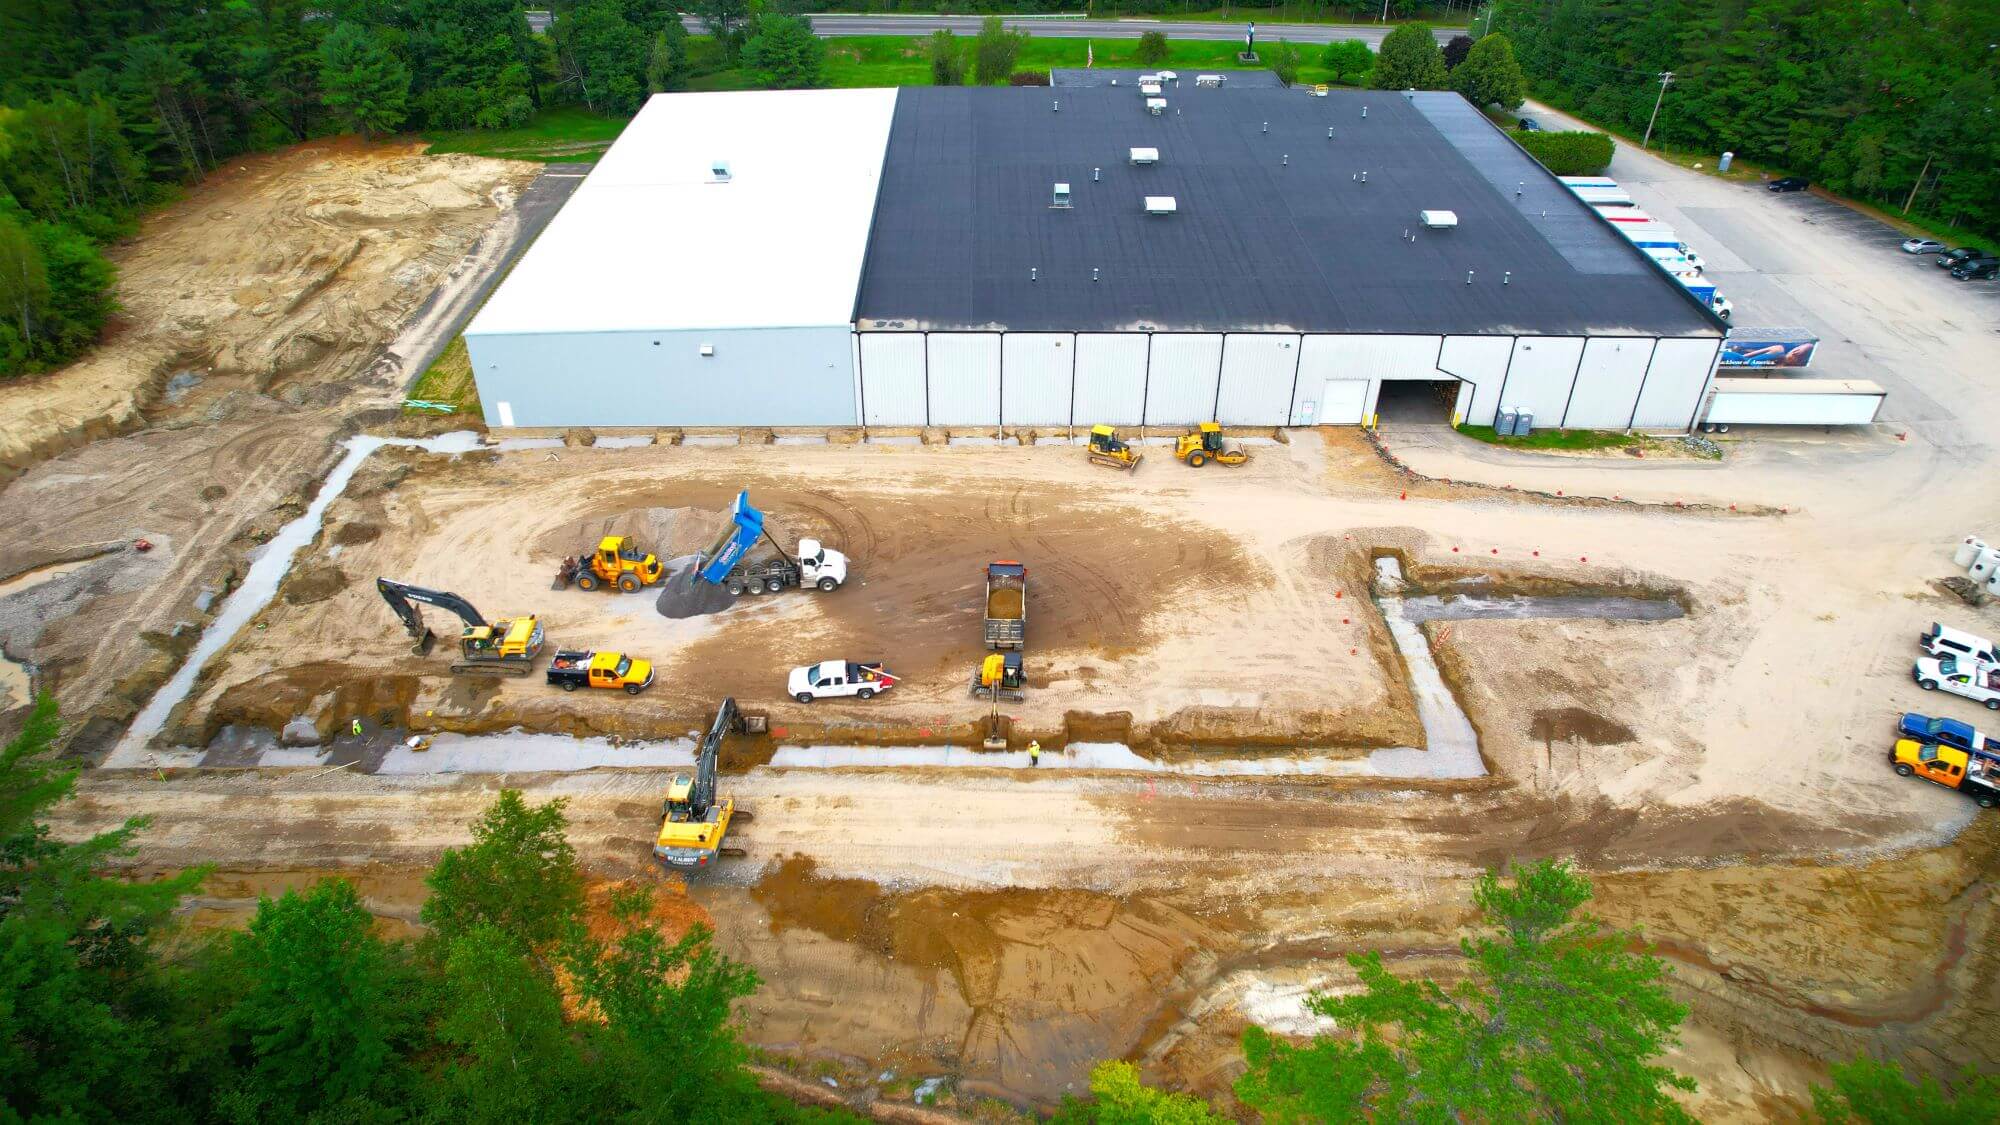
{"x":1793,"y":402}
{"x":1602,"y":196}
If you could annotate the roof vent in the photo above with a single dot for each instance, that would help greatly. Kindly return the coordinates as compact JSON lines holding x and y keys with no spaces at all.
{"x":718,"y":171}
{"x":1061,"y":197}
{"x":1208,"y":80}
{"x":1145,"y":156}
{"x":1150,"y":89}
{"x":1169,"y":76}
{"x":1160,"y":205}
{"x":1156,"y":106}
{"x":1438,"y":220}
{"x":1146,"y":78}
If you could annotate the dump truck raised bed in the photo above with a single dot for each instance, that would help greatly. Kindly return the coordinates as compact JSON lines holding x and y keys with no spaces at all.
{"x":572,"y":668}
{"x":1006,"y":605}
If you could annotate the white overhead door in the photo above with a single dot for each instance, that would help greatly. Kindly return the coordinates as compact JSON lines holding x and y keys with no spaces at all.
{"x":1340,"y":402}
{"x":1257,"y":372}
{"x":1110,"y":378}
{"x":1607,"y":384}
{"x":1539,"y":379}
{"x":892,"y":378}
{"x":1035,"y":378}
{"x":1675,"y":382}
{"x":965,"y":378}
{"x":1181,"y":379}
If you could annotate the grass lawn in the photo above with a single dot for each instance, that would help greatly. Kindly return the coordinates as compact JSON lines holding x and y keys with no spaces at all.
{"x":449,"y":380}
{"x":1553,"y":439}
{"x":557,"y":135}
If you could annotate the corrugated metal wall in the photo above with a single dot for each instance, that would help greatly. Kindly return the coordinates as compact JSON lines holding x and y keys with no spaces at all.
{"x":1323,"y":357}
{"x":1180,"y":389}
{"x":892,"y":378}
{"x":1482,"y":362}
{"x":1607,"y":384}
{"x":965,"y":378}
{"x":1540,"y":377}
{"x":1035,"y":378}
{"x":1675,"y":383}
{"x":1257,"y":374}
{"x":1110,"y":378}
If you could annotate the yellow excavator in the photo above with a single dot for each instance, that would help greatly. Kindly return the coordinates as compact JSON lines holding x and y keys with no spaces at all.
{"x":1106,"y":449}
{"x":694,"y":822}
{"x":1206,"y":443}
{"x":507,"y":647}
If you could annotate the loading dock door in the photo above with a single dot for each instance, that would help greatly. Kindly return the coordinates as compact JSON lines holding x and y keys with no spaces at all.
{"x":1341,"y":403}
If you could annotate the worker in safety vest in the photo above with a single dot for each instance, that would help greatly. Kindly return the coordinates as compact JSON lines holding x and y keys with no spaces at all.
{"x":1034,"y":753}
{"x":357,"y":728}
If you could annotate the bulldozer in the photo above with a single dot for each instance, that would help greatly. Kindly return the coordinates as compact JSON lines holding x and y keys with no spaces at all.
{"x":1206,"y":443}
{"x":617,"y":562}
{"x":694,"y":820}
{"x":1106,"y":449}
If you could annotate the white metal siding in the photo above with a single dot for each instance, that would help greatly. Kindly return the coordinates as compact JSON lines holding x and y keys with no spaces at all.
{"x":892,"y":378}
{"x":1341,"y":402}
{"x":1180,"y":384}
{"x":1816,"y":408}
{"x":1540,"y":377}
{"x":1607,"y":385}
{"x":1110,"y":378}
{"x":1482,"y":362}
{"x":1257,"y":373}
{"x":1324,"y":357}
{"x":1035,"y":378}
{"x":965,"y":378}
{"x":1675,"y":383}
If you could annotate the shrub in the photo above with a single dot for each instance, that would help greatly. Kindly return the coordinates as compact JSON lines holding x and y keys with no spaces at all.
{"x":1152,"y":49}
{"x":1028,"y":78}
{"x":1569,"y":154}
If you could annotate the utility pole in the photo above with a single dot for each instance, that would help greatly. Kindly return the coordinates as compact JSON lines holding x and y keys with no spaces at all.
{"x":1911,"y":201}
{"x":1666,"y":79}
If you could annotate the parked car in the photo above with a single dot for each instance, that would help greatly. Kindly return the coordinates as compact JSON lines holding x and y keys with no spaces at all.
{"x":1976,"y":269}
{"x":1528,"y":125}
{"x":1790,"y":183}
{"x":1923,"y":246}
{"x":1949,"y":259}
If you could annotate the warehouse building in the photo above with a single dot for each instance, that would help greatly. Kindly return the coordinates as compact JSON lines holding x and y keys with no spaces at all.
{"x":966,"y":257}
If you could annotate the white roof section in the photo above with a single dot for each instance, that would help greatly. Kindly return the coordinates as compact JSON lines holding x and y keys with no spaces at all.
{"x":653,"y":240}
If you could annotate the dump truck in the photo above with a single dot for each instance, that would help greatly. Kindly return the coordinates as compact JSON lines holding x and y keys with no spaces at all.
{"x":507,"y":647}
{"x":571,"y":669}
{"x":816,"y":565}
{"x":1006,"y":605}
{"x":1947,"y":766}
{"x":618,"y":563}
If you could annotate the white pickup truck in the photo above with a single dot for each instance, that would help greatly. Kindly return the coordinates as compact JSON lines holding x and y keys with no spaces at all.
{"x":838,"y":677}
{"x":1972,"y":679}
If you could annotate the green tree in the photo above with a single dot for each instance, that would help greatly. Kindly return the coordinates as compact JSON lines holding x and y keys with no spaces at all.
{"x":1455,"y":50}
{"x":1284,"y":59}
{"x":1879,"y":1093}
{"x":726,"y":20}
{"x":947,"y":58}
{"x":666,"y":1010}
{"x":667,"y":64}
{"x":602,"y":55}
{"x":75,"y":947}
{"x":322,"y":1017}
{"x":784,"y":53}
{"x":1117,"y":1097}
{"x":1490,"y":76}
{"x":1348,"y":59}
{"x":506,"y":1018}
{"x":1557,"y":1020}
{"x":519,"y":876}
{"x":24,"y":284}
{"x":362,"y":83}
{"x":1152,"y":48}
{"x":1410,"y":60}
{"x":994,"y":52}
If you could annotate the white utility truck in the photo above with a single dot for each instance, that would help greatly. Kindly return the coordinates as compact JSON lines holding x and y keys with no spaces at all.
{"x":839,"y":677}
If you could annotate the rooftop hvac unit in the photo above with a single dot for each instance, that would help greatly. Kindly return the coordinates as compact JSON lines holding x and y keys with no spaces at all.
{"x":1208,"y":80}
{"x":1150,"y":89}
{"x":718,"y":171}
{"x":1169,"y":76}
{"x":1160,"y":205}
{"x":1061,"y":197}
{"x":1156,"y":106}
{"x":1438,"y":220}
{"x":1145,"y":156}
{"x":1152,"y":79}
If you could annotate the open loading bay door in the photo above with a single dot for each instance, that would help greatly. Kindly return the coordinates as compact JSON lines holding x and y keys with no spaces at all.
{"x":1794,"y":402}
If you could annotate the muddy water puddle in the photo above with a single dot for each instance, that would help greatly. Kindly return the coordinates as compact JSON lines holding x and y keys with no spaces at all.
{"x":1500,"y":607}
{"x":17,"y":677}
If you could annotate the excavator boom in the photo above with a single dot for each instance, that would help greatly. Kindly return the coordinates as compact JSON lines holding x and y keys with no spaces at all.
{"x":694,"y":824}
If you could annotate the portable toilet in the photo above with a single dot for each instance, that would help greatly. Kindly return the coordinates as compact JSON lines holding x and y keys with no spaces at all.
{"x":1968,"y":549}
{"x":1524,"y":423}
{"x":1503,"y":423}
{"x":1984,"y":565}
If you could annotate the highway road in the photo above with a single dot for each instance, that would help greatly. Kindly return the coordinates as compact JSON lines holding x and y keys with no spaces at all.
{"x":1072,"y":28}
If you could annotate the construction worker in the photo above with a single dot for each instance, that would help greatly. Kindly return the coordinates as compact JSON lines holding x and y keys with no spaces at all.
{"x":357,"y":728}
{"x":1034,"y":752}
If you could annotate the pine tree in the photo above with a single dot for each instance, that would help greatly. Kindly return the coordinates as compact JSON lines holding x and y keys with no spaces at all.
{"x":363,"y":84}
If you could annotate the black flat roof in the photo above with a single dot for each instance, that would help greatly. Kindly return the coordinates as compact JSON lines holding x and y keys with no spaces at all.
{"x":1274,"y":230}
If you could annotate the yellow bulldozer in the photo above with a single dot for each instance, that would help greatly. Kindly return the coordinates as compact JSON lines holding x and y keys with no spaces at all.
{"x":1206,"y":443}
{"x":1106,"y":449}
{"x":618,"y":562}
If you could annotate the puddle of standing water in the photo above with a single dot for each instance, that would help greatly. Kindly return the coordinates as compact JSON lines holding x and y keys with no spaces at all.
{"x":1463,"y":607}
{"x":1451,"y":746}
{"x":17,"y":677}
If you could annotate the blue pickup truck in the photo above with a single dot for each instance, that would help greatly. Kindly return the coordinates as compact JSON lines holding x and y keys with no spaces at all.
{"x":1949,"y":732}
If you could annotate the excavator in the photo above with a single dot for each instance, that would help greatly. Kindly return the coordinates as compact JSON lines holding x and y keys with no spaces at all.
{"x":694,"y":823}
{"x":507,"y":647}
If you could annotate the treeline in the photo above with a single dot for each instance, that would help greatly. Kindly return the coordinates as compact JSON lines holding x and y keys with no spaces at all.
{"x":522,"y":1001}
{"x":109,"y":106}
{"x":1892,"y":101}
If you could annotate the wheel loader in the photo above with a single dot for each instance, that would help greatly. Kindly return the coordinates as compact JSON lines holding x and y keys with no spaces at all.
{"x":618,"y":562}
{"x":1106,"y":449}
{"x":1206,"y":443}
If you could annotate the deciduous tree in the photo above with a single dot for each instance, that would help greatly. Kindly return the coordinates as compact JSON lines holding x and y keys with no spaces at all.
{"x":994,"y":52}
{"x":1348,"y":59}
{"x":519,"y":876}
{"x":1410,"y":60}
{"x":784,"y":53}
{"x":947,"y":58}
{"x":1490,"y":76}
{"x":1867,"y":1091}
{"x":1152,"y":48}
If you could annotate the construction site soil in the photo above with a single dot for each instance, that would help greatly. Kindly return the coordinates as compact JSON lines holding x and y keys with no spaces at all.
{"x":1720,"y":774}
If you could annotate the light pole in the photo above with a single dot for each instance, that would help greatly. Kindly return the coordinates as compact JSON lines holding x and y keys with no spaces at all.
{"x":1666,"y":79}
